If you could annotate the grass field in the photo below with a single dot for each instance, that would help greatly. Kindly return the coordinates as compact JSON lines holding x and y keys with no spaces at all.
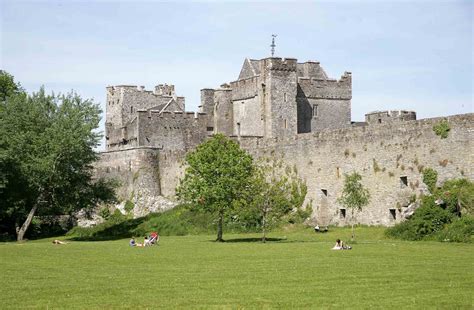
{"x":295,"y":270}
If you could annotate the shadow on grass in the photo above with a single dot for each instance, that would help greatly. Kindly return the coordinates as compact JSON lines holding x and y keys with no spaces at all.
{"x":254,"y":240}
{"x":115,"y":231}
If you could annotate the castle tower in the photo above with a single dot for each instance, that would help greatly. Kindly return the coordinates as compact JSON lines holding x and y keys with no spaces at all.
{"x":279,"y":89}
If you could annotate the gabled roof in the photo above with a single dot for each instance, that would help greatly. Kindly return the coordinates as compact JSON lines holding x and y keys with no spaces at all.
{"x":250,"y":68}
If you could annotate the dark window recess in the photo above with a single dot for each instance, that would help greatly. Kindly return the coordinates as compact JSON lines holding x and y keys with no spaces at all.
{"x":343,"y":213}
{"x":380,"y":121}
{"x":210,"y":128}
{"x":393,"y":214}
{"x":325,"y":192}
{"x":315,"y":110}
{"x":403,"y":181}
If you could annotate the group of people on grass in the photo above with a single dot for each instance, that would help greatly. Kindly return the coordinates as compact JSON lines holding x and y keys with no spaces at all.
{"x":150,"y":240}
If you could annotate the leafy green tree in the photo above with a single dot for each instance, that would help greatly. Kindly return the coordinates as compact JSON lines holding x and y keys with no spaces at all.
{"x":273,"y":195}
{"x":218,"y":172}
{"x":354,"y":196}
{"x":8,"y":86}
{"x":46,"y":152}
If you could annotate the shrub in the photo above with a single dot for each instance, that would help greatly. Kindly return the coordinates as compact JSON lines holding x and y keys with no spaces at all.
{"x":104,"y":213}
{"x":129,"y":206}
{"x":426,"y":220}
{"x":442,"y":129}
{"x":460,"y":230}
{"x":430,"y":177}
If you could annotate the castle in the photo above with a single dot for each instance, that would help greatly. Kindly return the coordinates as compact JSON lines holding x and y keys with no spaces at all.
{"x":287,"y":110}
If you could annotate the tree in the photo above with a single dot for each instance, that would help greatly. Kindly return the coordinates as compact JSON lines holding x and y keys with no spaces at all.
{"x":46,"y":153}
{"x":274,"y":194}
{"x":218,"y":172}
{"x":8,"y":87}
{"x":354,"y":196}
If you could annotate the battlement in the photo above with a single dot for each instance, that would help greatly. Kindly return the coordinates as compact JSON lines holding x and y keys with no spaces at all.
{"x":280,"y":64}
{"x":159,"y":90}
{"x":164,"y":90}
{"x":171,"y":114}
{"x":244,"y":88}
{"x":379,"y":117}
{"x":326,"y":88}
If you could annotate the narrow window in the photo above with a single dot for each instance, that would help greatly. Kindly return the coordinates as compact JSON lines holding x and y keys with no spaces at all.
{"x":380,"y":121}
{"x":342,"y":213}
{"x":131,"y":109}
{"x":393,"y":214}
{"x":338,"y":173}
{"x":238,"y":129}
{"x":285,"y":97}
{"x":325,"y":192}
{"x":286,"y":125}
{"x":403,"y":181}
{"x":315,"y":110}
{"x":210,"y":128}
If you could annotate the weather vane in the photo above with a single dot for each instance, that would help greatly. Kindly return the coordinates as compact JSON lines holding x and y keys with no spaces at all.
{"x":273,"y":44}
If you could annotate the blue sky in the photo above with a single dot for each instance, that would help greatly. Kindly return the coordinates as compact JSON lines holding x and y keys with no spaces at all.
{"x":415,"y":55}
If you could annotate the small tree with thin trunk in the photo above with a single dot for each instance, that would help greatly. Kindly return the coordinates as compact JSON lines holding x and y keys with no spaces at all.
{"x":354,"y":196}
{"x":273,"y":194}
{"x":218,"y":172}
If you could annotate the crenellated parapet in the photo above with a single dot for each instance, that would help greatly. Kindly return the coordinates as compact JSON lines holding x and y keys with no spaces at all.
{"x":280,"y":64}
{"x":326,"y":88}
{"x":244,"y":88}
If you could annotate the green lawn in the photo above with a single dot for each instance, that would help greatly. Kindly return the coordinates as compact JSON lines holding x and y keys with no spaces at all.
{"x":298,"y":271}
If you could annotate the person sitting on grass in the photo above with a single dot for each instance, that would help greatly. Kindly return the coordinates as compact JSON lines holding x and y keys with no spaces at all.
{"x":341,"y":246}
{"x":146,"y":241}
{"x":134,"y":243}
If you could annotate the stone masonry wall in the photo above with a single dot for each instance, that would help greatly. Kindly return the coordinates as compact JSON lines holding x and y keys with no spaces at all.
{"x":171,"y":131}
{"x":137,"y":170}
{"x":386,"y":155}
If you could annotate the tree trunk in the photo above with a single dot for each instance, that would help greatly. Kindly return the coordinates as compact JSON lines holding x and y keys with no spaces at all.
{"x":219,"y":227}
{"x":21,"y":231}
{"x":353,"y":233}
{"x":264,"y":223}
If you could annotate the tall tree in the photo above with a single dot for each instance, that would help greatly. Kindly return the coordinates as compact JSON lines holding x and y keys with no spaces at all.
{"x":354,"y":196}
{"x":273,"y":194}
{"x":218,"y":172}
{"x":8,"y":86}
{"x":46,"y":153}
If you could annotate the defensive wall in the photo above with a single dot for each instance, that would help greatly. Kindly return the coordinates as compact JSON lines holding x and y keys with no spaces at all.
{"x":389,"y":156}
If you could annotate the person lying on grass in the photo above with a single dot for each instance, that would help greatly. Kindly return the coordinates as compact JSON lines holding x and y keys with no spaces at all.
{"x":59,"y":242}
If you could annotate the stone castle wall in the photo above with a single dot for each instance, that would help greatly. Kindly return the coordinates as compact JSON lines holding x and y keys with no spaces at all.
{"x":138,"y":171}
{"x":383,"y":154}
{"x":170,"y":130}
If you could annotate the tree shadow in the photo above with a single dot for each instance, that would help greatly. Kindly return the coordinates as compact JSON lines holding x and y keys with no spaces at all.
{"x":254,"y":240}
{"x":116,"y":231}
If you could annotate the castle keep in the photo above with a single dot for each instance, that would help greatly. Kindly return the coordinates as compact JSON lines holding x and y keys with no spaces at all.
{"x":288,"y":110}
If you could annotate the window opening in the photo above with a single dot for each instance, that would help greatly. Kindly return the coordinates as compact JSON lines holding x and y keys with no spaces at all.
{"x":342,"y":213}
{"x":315,"y":110}
{"x":403,"y":181}
{"x":393,"y":214}
{"x":325,"y":192}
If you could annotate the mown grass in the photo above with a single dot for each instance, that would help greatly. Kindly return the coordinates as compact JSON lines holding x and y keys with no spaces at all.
{"x":298,"y":270}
